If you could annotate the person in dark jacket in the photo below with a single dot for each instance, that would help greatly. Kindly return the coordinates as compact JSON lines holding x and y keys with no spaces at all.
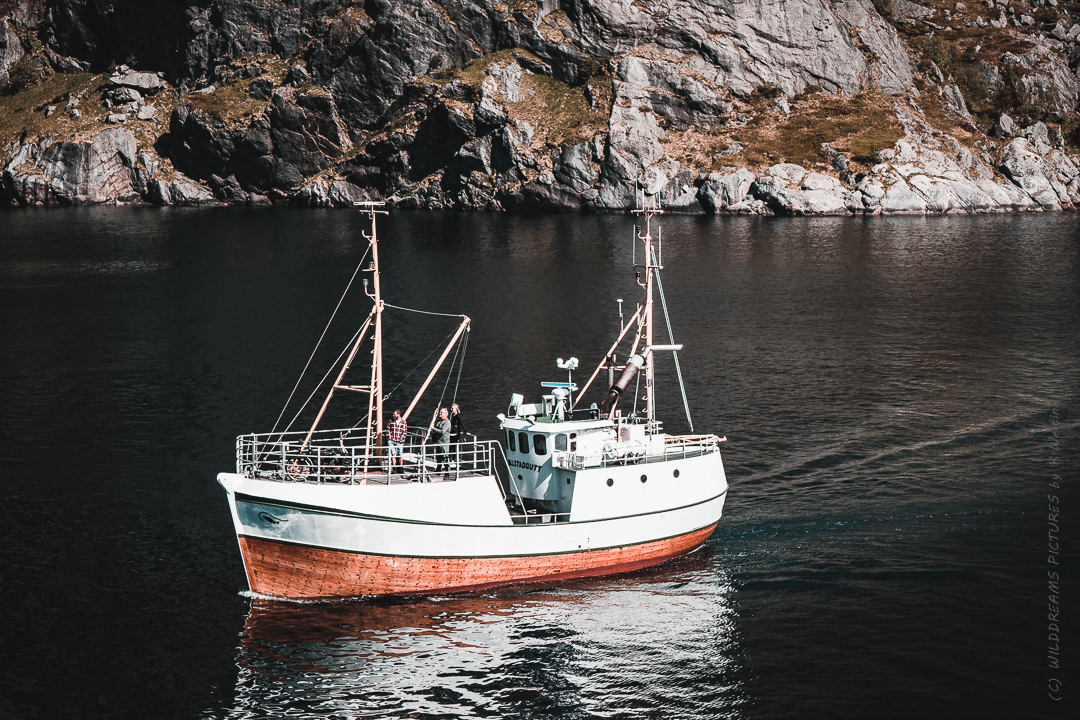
{"x":458,"y":434}
{"x":457,"y":425}
{"x":440,"y":438}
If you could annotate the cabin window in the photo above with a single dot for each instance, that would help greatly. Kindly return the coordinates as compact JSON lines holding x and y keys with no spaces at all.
{"x":540,"y":444}
{"x":523,"y":441}
{"x":573,"y":441}
{"x":560,"y":442}
{"x":510,"y":441}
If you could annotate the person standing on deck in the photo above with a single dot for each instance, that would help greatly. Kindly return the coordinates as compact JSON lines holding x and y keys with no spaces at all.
{"x":396,"y":431}
{"x":457,"y":425}
{"x":440,"y":436}
{"x":457,"y":430}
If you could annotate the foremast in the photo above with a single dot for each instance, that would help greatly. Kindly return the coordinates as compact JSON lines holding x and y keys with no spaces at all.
{"x":373,"y":422}
{"x":374,"y":419}
{"x":375,"y":394}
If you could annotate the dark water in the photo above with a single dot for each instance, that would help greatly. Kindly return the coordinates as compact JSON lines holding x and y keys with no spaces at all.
{"x":889,"y":389}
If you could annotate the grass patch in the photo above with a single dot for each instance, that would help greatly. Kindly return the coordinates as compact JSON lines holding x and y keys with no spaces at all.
{"x":24,"y":112}
{"x":859,"y":127}
{"x":560,"y":112}
{"x":229,"y":103}
{"x":942,"y":117}
{"x":475,"y":70}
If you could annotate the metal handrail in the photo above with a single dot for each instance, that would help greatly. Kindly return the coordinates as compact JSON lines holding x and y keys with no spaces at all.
{"x":331,"y":457}
{"x":675,"y":448}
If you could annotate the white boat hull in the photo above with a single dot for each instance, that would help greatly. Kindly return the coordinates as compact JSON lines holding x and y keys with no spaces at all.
{"x":303,"y":540}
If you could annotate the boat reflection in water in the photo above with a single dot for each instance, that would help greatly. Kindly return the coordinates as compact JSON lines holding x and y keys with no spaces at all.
{"x":662,"y":641}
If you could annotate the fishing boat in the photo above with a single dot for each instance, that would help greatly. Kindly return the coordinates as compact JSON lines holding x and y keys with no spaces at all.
{"x":577,"y":491}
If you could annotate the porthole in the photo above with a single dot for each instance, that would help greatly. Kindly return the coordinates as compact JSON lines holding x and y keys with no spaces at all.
{"x":610,"y":482}
{"x":644,"y":478}
{"x":676,"y":473}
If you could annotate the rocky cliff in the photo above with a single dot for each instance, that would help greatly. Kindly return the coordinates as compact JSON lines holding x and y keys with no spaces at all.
{"x":770,"y":106}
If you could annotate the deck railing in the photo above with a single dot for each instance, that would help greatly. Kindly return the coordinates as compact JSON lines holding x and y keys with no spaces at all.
{"x":634,"y":453}
{"x":337,"y":456}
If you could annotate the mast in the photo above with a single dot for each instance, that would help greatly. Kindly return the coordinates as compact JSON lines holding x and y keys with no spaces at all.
{"x":375,"y":397}
{"x":652,"y":263}
{"x":650,"y":205}
{"x":374,"y":389}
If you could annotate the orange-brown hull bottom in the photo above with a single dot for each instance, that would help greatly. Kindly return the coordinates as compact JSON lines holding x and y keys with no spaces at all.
{"x":294,"y":571}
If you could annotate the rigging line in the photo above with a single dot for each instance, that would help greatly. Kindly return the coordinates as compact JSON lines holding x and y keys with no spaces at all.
{"x":332,"y":366}
{"x":422,"y":312}
{"x":394,"y":389}
{"x":464,"y":346}
{"x":457,"y":351}
{"x":674,"y":353}
{"x":329,"y":322}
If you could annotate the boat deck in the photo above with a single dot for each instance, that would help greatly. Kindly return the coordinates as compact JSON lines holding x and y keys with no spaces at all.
{"x":372,"y":477}
{"x":329,"y":457}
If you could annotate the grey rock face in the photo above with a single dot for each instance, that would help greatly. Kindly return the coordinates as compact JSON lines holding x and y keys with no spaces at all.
{"x":299,"y":136}
{"x":1048,"y":76}
{"x":367,"y":74}
{"x":322,"y":193}
{"x":120,"y":95}
{"x":1004,"y":127}
{"x":575,"y":168}
{"x":775,"y":192}
{"x":907,"y":9}
{"x":73,"y":173}
{"x":951,"y":94}
{"x":901,"y":199}
{"x":146,"y":82}
{"x":508,"y":79}
{"x":10,"y":50}
{"x":181,"y":191}
{"x":1029,"y":170}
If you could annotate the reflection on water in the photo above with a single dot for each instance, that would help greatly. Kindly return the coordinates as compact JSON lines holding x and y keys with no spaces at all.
{"x":660,"y":644}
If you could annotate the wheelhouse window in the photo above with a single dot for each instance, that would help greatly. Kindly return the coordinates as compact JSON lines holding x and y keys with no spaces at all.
{"x":560,"y":442}
{"x":523,"y":441}
{"x":540,"y":444}
{"x":510,"y":441}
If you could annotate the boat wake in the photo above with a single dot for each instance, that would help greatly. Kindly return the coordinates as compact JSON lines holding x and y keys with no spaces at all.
{"x":839,"y":457}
